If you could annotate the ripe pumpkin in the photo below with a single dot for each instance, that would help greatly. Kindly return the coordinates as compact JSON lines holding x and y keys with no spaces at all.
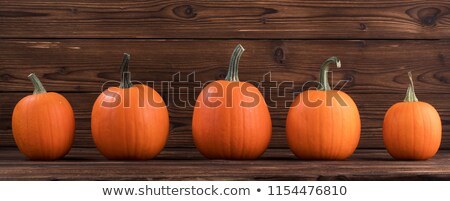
{"x":412,"y":129}
{"x":129,"y":122}
{"x":231,"y":119}
{"x":323,"y":124}
{"x":43,"y":124}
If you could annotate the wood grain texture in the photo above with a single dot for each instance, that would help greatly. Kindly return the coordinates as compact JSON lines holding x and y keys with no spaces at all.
{"x":369,"y":66}
{"x":76,"y":46}
{"x":188,"y":164}
{"x":372,"y":109}
{"x":380,"y":19}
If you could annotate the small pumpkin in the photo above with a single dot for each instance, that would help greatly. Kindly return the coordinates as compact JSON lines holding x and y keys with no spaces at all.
{"x":412,"y":129}
{"x":129,"y":122}
{"x":231,"y":119}
{"x":43,"y":124}
{"x":323,"y":124}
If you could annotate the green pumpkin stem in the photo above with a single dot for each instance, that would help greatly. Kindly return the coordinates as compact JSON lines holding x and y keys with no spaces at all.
{"x":324,"y":85}
{"x":410,"y":94}
{"x":125,"y":81}
{"x":232,"y":74}
{"x":38,"y":87}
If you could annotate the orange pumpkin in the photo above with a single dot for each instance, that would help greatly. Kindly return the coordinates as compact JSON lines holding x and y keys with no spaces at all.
{"x":129,"y":122}
{"x":43,"y":124}
{"x":323,"y":124}
{"x":231,"y":119}
{"x":412,"y":129}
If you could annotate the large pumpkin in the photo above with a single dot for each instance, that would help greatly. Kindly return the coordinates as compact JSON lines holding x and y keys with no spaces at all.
{"x":43,"y":124}
{"x":323,"y":124}
{"x":412,"y":129}
{"x":231,"y":119}
{"x":129,"y":122}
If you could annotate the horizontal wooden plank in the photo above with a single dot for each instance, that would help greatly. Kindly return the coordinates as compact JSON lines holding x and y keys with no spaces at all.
{"x":188,"y":164}
{"x":372,"y":109}
{"x":369,"y":66}
{"x":363,"y":19}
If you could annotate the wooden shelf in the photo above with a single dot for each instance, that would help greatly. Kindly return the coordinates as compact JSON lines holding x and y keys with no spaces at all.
{"x":188,"y":164}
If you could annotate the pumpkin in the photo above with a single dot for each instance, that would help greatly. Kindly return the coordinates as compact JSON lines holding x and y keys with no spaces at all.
{"x":43,"y":124}
{"x":323,"y":124}
{"x":412,"y":129}
{"x":129,"y":122}
{"x":231,"y":119}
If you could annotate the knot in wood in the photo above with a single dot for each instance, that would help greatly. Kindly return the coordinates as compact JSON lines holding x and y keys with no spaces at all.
{"x":279,"y":55}
{"x":185,"y":11}
{"x":429,"y":16}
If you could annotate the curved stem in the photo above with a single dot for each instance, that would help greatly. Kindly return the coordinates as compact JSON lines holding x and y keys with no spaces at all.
{"x":232,"y":74}
{"x":125,"y":81}
{"x":324,"y":85}
{"x":410,"y":94}
{"x":38,"y":87}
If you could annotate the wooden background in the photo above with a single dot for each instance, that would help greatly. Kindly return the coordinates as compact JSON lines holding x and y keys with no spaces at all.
{"x":75,"y":46}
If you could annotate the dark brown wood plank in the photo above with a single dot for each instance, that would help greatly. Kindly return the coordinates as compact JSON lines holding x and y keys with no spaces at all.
{"x":370,"y":66}
{"x":372,"y":109}
{"x":188,"y":164}
{"x":380,"y":19}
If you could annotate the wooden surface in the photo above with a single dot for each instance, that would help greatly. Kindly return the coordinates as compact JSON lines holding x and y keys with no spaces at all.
{"x":188,"y":164}
{"x":75,"y":46}
{"x":83,"y":65}
{"x":378,"y":19}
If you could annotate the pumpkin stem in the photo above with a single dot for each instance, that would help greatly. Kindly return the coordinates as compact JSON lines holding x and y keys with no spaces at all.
{"x":38,"y":87}
{"x":324,"y":85}
{"x":410,"y":94}
{"x":234,"y":64}
{"x":125,"y":82}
